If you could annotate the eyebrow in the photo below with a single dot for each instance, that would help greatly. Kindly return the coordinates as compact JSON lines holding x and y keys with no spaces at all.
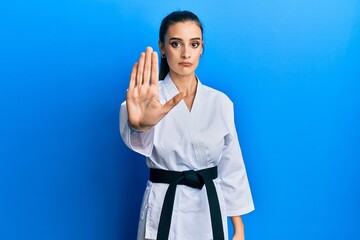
{"x":179,"y":39}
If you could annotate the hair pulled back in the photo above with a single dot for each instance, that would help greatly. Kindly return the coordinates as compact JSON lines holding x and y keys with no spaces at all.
{"x":172,"y":18}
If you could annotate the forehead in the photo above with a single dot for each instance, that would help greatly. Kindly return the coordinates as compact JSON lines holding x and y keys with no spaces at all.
{"x":184,"y":30}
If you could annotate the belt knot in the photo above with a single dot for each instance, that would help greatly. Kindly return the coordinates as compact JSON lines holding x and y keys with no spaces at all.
{"x":192,"y":179}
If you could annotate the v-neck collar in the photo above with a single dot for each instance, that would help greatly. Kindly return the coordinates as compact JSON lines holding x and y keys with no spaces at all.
{"x":173,"y":90}
{"x":189,"y":119}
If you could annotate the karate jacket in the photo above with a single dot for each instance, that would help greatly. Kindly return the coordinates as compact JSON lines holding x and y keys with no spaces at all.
{"x":191,"y":140}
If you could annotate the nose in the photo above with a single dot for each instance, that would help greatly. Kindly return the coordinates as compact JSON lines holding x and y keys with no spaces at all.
{"x":185,"y":54}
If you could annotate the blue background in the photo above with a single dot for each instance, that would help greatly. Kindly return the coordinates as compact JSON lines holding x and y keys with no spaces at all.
{"x":291,"y":67}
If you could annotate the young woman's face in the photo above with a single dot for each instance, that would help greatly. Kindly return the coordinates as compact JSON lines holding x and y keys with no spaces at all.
{"x":183,"y":47}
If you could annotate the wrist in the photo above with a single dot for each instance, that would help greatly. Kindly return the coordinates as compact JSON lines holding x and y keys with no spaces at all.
{"x":238,"y":225}
{"x":135,"y":129}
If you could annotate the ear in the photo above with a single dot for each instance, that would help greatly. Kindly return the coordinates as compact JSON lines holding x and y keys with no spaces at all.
{"x":202,"y":47}
{"x":161,"y":47}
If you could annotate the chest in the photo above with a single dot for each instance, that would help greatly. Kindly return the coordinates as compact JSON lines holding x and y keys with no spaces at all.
{"x":189,"y":101}
{"x":193,"y":140}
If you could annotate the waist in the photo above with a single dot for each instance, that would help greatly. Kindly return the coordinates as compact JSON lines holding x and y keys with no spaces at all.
{"x":194,"y":179}
{"x":191,"y":178}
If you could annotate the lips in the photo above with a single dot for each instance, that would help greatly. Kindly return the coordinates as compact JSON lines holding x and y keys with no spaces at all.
{"x":185,"y":64}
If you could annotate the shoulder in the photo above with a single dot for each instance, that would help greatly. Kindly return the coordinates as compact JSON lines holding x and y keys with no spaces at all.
{"x":217,"y":96}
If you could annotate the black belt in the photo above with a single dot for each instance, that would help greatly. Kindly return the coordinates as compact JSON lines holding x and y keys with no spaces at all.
{"x":194,"y":179}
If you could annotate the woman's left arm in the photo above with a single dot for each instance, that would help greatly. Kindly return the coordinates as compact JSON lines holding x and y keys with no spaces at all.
{"x":238,"y":228}
{"x":234,"y":182}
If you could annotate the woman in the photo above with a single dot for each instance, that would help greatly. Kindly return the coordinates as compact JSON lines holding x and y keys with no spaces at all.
{"x":186,"y":131}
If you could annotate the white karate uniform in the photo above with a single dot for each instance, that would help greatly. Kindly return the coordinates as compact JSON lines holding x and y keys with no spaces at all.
{"x":184,"y":140}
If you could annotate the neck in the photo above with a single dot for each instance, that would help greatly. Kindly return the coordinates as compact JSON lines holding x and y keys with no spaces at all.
{"x":184,"y":83}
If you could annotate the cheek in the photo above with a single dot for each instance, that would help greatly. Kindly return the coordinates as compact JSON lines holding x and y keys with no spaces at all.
{"x":198,"y":56}
{"x":171,"y":61}
{"x":197,"y":53}
{"x":170,"y":55}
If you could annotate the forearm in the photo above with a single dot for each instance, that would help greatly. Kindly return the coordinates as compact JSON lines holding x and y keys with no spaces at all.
{"x":238,"y":228}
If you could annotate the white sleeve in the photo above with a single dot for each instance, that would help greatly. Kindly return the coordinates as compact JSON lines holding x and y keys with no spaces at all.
{"x":232,"y":172}
{"x":138,"y":142}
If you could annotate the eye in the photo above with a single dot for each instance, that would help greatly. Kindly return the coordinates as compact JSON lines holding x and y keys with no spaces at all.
{"x":195,"y":44}
{"x":175,"y":44}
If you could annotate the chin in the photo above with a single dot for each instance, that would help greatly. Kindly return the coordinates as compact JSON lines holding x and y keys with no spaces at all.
{"x":186,"y":72}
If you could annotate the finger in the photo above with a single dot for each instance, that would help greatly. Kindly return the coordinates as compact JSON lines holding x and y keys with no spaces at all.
{"x":140,"y":70}
{"x":154,"y":78}
{"x":173,"y":102}
{"x":147,"y":66}
{"x":132,"y":82}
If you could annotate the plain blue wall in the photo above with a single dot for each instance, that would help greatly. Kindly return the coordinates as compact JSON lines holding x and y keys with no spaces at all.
{"x":292,"y":69}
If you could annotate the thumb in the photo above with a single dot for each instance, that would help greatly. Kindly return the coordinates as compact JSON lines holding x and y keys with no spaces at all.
{"x":173,"y":102}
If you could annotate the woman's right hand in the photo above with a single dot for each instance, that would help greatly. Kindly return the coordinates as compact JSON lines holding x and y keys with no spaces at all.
{"x":142,"y":98}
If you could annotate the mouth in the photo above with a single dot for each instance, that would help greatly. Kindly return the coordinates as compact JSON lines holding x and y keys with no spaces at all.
{"x":185,"y":64}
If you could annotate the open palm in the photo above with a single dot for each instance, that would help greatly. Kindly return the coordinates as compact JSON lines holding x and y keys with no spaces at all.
{"x":142,"y":99}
